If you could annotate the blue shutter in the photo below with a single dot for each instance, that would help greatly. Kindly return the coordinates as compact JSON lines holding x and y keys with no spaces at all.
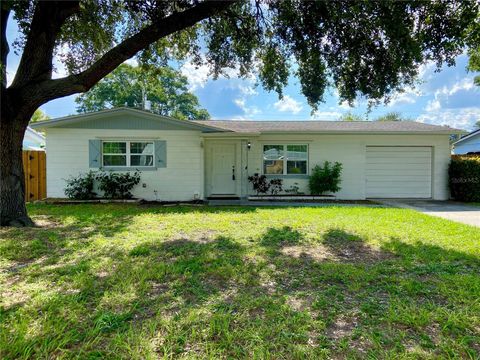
{"x":95,"y":153}
{"x":160,"y":153}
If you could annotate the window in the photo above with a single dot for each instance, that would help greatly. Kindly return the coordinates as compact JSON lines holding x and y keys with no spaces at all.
{"x":127,"y":153}
{"x":285,"y":159}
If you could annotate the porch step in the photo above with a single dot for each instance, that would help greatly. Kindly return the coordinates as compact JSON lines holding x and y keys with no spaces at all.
{"x":223,"y":197}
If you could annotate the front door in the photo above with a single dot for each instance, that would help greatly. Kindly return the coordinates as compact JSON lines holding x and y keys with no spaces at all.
{"x":223,"y":169}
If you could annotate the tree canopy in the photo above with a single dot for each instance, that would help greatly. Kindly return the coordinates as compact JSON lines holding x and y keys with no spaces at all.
{"x":39,"y":115}
{"x":392,"y":116}
{"x":165,"y":87}
{"x":369,"y":48}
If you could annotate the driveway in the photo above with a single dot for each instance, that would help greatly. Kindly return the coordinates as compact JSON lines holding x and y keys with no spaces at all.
{"x":451,"y":210}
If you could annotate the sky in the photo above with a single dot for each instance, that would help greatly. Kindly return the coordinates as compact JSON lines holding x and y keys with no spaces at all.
{"x":448,"y":97}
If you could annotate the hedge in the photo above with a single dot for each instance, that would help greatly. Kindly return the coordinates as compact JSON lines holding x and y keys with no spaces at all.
{"x":464,"y":178}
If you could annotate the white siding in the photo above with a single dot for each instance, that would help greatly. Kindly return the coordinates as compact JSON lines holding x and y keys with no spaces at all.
{"x":67,"y":155}
{"x":350,"y":150}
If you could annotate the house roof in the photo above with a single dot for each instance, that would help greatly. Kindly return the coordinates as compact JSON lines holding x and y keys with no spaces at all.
{"x":98,"y":120}
{"x":246,"y":126}
{"x":468,"y":136}
{"x":103,"y":119}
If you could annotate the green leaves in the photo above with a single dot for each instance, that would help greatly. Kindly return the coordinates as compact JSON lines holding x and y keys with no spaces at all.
{"x":165,"y":87}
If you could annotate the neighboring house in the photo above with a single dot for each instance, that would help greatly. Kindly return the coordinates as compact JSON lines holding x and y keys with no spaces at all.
{"x":469,"y":143}
{"x":185,"y":160}
{"x":33,"y":140}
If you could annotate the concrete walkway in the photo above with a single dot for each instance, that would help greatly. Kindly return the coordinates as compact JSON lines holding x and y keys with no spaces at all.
{"x":451,"y":210}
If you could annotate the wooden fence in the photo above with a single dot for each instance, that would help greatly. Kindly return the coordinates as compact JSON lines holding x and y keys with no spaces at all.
{"x":35,"y":169}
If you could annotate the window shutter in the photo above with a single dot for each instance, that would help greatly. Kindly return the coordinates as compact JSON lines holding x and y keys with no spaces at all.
{"x":160,"y":153}
{"x":95,"y":153}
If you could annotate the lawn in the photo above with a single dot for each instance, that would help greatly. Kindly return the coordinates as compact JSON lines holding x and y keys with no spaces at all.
{"x":142,"y":282}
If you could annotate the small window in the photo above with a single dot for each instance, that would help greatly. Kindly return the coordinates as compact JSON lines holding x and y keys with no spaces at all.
{"x":114,"y":154}
{"x":285,"y":159}
{"x":273,"y":159}
{"x":141,"y":154}
{"x":127,"y":153}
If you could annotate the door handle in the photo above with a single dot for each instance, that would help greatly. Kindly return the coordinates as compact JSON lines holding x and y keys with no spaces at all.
{"x":233,"y":172}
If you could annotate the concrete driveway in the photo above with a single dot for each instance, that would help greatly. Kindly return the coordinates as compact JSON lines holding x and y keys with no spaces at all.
{"x":451,"y":210}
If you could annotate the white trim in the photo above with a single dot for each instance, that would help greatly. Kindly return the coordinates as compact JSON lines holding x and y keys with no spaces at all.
{"x":127,"y":154}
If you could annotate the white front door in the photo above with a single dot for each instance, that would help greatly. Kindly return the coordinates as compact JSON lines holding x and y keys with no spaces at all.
{"x":223,"y":169}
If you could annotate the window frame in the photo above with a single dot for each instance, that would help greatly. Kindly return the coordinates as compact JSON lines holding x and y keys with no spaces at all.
{"x":128,"y":154}
{"x":285,"y":158}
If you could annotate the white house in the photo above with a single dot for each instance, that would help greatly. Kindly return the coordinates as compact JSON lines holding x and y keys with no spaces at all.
{"x":469,"y":143}
{"x":33,"y":140}
{"x":185,"y":160}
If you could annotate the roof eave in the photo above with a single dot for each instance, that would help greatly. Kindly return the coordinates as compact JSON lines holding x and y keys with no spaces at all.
{"x":107,"y":112}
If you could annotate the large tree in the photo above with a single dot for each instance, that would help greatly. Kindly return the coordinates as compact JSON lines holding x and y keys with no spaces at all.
{"x":370,"y":48}
{"x":165,"y":87}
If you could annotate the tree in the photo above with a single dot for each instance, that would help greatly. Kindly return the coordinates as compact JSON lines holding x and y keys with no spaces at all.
{"x":39,"y":115}
{"x":474,"y":63}
{"x":370,"y":48}
{"x":349,"y":116}
{"x":391,"y":116}
{"x":165,"y":87}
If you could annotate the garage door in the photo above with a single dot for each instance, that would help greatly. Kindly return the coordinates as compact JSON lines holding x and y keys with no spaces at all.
{"x":399,"y":172}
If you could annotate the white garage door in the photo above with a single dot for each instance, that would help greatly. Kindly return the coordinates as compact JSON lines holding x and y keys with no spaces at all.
{"x":399,"y":172}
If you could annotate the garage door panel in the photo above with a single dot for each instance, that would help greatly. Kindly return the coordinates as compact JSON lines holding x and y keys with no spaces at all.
{"x":398,"y":172}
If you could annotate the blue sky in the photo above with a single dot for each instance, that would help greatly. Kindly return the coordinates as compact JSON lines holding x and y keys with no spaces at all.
{"x":447,"y":97}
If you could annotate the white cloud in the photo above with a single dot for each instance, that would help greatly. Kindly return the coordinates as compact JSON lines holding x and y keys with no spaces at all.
{"x":433,"y":105}
{"x":249,"y":111}
{"x":288,"y":104}
{"x":197,"y":75}
{"x":463,"y":118}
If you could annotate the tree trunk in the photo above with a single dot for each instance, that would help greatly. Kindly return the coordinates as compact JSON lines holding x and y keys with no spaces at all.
{"x":13,"y":211}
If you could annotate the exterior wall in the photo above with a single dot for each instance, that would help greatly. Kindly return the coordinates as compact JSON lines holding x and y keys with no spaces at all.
{"x":469,"y":145}
{"x":67,"y":155}
{"x":350,"y":150}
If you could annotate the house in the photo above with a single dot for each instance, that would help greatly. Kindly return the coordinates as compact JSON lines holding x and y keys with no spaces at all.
{"x":468,"y":144}
{"x":33,"y":140}
{"x":185,"y":160}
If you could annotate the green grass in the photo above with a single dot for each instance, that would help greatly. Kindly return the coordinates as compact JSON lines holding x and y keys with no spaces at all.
{"x":132,"y":282}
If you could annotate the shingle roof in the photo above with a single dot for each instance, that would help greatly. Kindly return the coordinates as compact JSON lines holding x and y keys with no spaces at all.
{"x":246,"y":126}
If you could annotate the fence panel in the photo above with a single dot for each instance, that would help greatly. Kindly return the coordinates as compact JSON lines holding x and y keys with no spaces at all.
{"x":34,"y":167}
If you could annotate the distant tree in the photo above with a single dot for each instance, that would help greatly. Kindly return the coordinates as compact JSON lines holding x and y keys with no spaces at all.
{"x":350,"y":117}
{"x":477,"y":124}
{"x":474,"y":63}
{"x":164,"y":87}
{"x":392,"y":116}
{"x":39,"y":115}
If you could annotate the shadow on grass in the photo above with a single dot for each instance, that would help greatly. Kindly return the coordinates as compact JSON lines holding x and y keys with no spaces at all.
{"x":336,"y":296}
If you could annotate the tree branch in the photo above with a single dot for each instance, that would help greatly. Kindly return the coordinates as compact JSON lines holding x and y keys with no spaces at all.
{"x":129,"y":47}
{"x":36,"y":62}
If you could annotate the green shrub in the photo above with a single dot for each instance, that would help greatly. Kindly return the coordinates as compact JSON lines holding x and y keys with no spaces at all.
{"x":81,"y":186}
{"x":117,"y":185}
{"x":464,"y":179}
{"x":325,"y":179}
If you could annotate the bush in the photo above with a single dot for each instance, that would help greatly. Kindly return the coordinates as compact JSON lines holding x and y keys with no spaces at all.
{"x":464,"y":179}
{"x":259,"y":183}
{"x":275,"y":186}
{"x":81,"y":187}
{"x":117,"y":185}
{"x":262,"y":186}
{"x":325,"y":179}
